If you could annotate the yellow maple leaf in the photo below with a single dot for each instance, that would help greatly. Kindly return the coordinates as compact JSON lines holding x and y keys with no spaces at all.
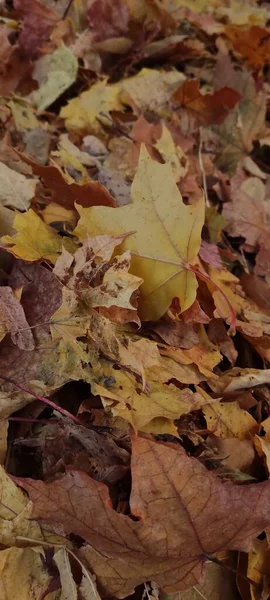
{"x":82,"y":112}
{"x":166,"y":238}
{"x":34,"y":239}
{"x":171,"y":154}
{"x":227,"y":420}
{"x":139,"y":408}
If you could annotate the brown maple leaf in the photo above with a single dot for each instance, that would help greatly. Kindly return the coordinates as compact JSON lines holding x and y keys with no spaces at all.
{"x":65,"y":194}
{"x":38,"y":23}
{"x":184,"y":515}
{"x":206,"y":108}
{"x":253,"y":44}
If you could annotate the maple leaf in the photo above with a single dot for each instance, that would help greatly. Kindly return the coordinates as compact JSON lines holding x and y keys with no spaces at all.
{"x":67,"y":194}
{"x":13,"y":320}
{"x":34,"y":239}
{"x":253,"y":44}
{"x":159,"y":255}
{"x":108,"y":19}
{"x":246,"y":215}
{"x":206,"y":108}
{"x":203,"y":516}
{"x":152,"y":410}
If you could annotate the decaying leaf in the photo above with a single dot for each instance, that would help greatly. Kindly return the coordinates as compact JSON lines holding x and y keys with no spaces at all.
{"x":13,"y":320}
{"x":171,"y":551}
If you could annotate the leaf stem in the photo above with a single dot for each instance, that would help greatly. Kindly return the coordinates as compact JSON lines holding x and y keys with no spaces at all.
{"x":232,"y":569}
{"x":50,"y":403}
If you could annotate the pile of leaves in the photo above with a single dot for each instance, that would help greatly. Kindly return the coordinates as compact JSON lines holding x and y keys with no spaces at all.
{"x":134,"y":299}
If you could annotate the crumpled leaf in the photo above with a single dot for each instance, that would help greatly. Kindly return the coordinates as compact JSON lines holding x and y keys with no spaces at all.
{"x":207,"y":109}
{"x":142,"y":409}
{"x":16,"y":191}
{"x":172,"y":551}
{"x":55,"y":73}
{"x":246,"y":215}
{"x":34,"y":239}
{"x":12,"y":319}
{"x":159,"y":254}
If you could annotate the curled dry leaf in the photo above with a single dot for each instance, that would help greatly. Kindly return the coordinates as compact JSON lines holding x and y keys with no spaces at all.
{"x":124,"y":553}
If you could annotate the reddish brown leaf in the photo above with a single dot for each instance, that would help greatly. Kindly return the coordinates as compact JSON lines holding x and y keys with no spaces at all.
{"x":65,"y":194}
{"x":203,"y":516}
{"x":108,"y":19}
{"x":206,"y":108}
{"x":38,"y":22}
{"x":253,"y":44}
{"x":176,"y":333}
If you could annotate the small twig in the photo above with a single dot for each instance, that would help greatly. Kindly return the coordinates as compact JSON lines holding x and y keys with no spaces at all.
{"x":50,"y":403}
{"x":202,"y":169}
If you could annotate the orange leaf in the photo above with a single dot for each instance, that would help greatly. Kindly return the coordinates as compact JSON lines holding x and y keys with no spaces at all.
{"x":203,"y":516}
{"x":253,"y":43}
{"x":206,"y":108}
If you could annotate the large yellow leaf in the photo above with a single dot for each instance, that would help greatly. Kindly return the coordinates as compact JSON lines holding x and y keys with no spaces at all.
{"x":34,"y":239}
{"x":166,"y":236}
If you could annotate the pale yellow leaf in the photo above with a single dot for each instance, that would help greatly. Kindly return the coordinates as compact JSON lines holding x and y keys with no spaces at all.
{"x":170,"y":153}
{"x":68,"y":585}
{"x":157,"y":215}
{"x":23,"y":114}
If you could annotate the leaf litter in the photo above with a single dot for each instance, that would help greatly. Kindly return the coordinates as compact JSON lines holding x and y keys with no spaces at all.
{"x":135,"y":307}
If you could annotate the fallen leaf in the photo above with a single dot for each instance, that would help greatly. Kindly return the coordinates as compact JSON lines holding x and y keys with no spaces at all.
{"x":23,"y":569}
{"x":13,"y":320}
{"x":37,"y":25}
{"x":108,"y":20}
{"x":150,"y":89}
{"x":206,"y":108}
{"x":133,"y":552}
{"x":156,"y":212}
{"x":253,"y":43}
{"x":67,"y":194}
{"x":228,"y":420}
{"x":240,"y":379}
{"x":16,"y":190}
{"x":169,"y":152}
{"x":34,"y":239}
{"x":3,"y":440}
{"x":86,"y":112}
{"x":141,"y":409}
{"x":55,"y":73}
